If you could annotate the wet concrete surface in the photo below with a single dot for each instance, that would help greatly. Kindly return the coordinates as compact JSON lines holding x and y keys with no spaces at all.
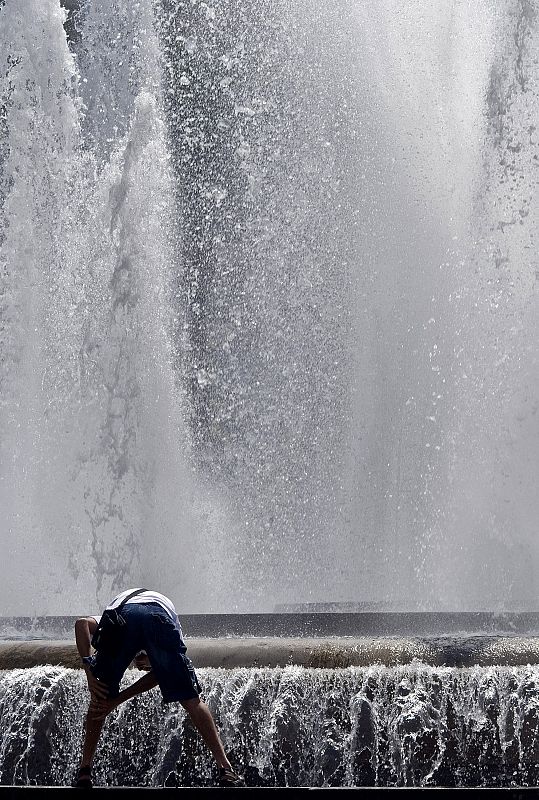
{"x":330,"y":652}
{"x":33,"y":792}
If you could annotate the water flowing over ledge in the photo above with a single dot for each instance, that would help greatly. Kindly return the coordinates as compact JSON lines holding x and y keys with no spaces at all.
{"x":396,"y":726}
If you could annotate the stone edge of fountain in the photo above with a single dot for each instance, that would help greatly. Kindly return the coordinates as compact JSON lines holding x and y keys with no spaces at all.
{"x":325,"y":653}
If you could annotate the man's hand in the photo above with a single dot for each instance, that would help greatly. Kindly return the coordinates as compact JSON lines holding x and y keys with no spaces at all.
{"x":101,"y":707}
{"x":98,"y":690}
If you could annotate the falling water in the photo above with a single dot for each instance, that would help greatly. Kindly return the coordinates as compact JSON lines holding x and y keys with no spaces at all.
{"x":95,"y":483}
{"x":385,"y":726}
{"x":356,"y":188}
{"x":268,"y":303}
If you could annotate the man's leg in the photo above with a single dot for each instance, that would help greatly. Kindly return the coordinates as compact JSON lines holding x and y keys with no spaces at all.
{"x":175,"y":674}
{"x":107,"y":671}
{"x":202,"y":719}
{"x":92,"y":732}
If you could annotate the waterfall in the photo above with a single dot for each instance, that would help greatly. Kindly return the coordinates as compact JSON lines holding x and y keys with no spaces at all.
{"x":375,"y":726}
{"x":489,"y":506}
{"x":365,"y":181}
{"x":268,"y":303}
{"x":95,"y":477}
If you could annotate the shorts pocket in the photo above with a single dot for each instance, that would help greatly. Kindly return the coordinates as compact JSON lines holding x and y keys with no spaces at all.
{"x":192,"y":674}
{"x":165,"y":634}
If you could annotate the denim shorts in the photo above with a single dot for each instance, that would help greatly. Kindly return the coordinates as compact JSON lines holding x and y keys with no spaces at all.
{"x":149,"y":627}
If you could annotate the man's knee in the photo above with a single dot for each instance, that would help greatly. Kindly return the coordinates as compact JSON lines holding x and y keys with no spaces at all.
{"x":192,"y":705}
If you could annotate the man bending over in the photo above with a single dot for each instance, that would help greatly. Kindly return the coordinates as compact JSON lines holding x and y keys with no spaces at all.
{"x":152,"y":635}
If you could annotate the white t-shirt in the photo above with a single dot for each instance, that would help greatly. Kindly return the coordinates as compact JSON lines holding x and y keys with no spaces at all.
{"x":146,"y":597}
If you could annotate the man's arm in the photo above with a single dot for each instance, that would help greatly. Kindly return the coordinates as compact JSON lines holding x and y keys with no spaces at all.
{"x":103,"y":706}
{"x":143,"y":684}
{"x":85,"y":627}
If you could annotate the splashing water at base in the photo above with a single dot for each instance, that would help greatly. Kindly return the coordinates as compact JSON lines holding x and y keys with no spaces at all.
{"x":376,"y":726}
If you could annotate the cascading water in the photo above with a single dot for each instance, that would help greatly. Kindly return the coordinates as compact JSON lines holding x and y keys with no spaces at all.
{"x":268,"y":315}
{"x":353,"y":326}
{"x":95,"y":485}
{"x":283,"y":253}
{"x":390,"y":726}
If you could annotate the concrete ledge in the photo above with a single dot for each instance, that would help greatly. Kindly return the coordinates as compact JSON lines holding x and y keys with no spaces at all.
{"x":307,"y":652}
{"x":231,"y":653}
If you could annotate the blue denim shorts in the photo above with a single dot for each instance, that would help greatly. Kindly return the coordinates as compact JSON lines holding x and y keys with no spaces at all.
{"x":149,"y":627}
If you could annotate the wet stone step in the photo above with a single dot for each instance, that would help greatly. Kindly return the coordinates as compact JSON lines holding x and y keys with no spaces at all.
{"x":394,"y":793}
